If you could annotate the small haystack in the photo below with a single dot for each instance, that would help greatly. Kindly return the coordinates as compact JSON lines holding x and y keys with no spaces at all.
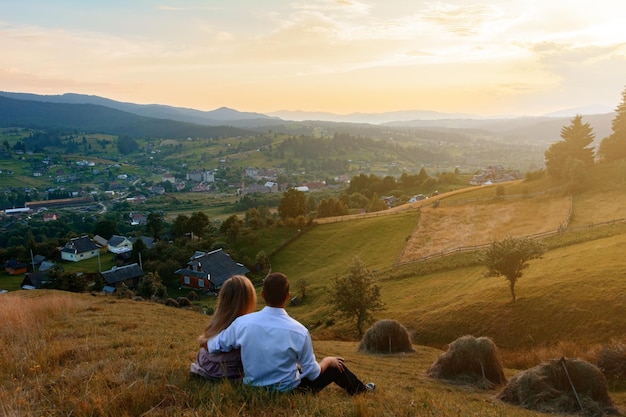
{"x":184,"y":302}
{"x":170,"y":302}
{"x":470,"y":360}
{"x":560,"y":386}
{"x":386,"y":336}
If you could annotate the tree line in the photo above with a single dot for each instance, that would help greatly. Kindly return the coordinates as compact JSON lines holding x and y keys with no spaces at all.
{"x":568,"y":159}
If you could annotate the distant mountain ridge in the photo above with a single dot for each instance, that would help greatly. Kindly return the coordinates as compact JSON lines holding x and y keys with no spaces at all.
{"x":374,"y":118}
{"x":424,"y":115}
{"x":93,"y":118}
{"x":228,"y":116}
{"x":533,"y":129}
{"x":222,"y":116}
{"x":543,"y":129}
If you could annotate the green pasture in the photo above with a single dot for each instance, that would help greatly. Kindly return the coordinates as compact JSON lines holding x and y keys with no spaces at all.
{"x":325,"y":251}
{"x":10,"y":282}
{"x":570,"y":295}
{"x":215,"y":206}
{"x":90,"y":265}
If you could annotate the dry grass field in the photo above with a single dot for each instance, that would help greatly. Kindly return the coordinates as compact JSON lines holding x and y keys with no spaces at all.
{"x":67,"y":354}
{"x":446,"y":228}
{"x":598,"y":208}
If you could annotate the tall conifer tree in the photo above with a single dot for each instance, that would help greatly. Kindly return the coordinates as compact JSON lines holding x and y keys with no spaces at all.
{"x":613,"y":147}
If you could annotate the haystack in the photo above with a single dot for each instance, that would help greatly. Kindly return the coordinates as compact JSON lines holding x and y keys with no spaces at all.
{"x":170,"y":302}
{"x":560,"y":386}
{"x":612,"y":362}
{"x":386,"y":336}
{"x":470,"y":360}
{"x":184,"y":302}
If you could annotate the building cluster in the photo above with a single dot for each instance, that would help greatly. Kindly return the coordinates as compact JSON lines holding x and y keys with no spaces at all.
{"x":493,"y":174}
{"x":205,"y":271}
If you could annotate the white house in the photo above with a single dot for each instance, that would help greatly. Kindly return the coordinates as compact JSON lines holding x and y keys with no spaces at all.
{"x":79,"y":248}
{"x":119,"y":244}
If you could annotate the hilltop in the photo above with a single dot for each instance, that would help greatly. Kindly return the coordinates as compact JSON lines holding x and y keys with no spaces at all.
{"x":75,"y":354}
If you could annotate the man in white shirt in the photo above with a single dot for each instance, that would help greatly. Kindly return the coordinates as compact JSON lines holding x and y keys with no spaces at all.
{"x":276,"y":350}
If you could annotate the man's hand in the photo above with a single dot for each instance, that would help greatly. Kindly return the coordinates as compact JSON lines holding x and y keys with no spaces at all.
{"x":332,"y":362}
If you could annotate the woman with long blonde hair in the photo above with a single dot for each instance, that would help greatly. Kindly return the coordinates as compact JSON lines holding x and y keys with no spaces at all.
{"x":236,"y":298}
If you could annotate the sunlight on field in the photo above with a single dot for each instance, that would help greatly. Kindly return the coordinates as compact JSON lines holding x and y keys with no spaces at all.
{"x":599,"y":208}
{"x":446,"y":228}
{"x":103,"y":356}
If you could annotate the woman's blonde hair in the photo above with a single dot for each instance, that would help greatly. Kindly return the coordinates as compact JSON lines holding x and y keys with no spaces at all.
{"x":236,"y":298}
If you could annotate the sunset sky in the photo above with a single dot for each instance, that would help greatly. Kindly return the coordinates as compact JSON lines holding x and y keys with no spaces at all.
{"x":490,"y":57}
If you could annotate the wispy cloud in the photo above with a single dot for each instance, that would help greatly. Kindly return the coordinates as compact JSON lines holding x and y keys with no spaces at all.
{"x":398,"y":51}
{"x":461,"y":20}
{"x":350,"y":7}
{"x":170,"y":8}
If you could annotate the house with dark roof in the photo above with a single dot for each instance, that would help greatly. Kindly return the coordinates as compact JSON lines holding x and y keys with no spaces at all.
{"x":79,"y":248}
{"x":34,"y":280}
{"x":131,"y":275}
{"x":119,"y":244}
{"x":208,"y":271}
{"x":147,"y":240}
{"x":15,"y":267}
{"x":46,"y":265}
{"x":37,"y":260}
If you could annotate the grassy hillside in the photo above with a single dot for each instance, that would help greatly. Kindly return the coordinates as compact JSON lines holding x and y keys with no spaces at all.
{"x":578,"y":282}
{"x":68,"y":354}
{"x":72,"y":354}
{"x":575,"y":293}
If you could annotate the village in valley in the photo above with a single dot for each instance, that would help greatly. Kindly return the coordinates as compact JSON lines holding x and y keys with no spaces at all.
{"x":94,"y":188}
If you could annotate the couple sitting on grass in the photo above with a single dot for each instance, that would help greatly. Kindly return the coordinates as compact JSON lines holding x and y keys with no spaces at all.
{"x":266,"y":348}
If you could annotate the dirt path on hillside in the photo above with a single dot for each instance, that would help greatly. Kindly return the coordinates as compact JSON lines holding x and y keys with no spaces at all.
{"x":446,"y":228}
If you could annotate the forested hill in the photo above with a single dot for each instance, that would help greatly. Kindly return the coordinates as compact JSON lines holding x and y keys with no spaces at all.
{"x":218,"y":117}
{"x":91,"y":118}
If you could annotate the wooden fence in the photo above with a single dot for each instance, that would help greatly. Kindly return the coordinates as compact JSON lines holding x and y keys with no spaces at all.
{"x":563,"y":228}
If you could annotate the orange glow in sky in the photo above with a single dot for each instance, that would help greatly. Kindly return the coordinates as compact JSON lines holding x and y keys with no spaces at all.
{"x":496,"y":57}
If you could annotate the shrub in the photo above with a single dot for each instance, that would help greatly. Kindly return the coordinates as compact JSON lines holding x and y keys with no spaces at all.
{"x":124,"y":292}
{"x":386,"y":336}
{"x":535,"y":175}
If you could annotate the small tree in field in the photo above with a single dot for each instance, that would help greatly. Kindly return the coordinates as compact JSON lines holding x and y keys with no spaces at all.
{"x":509,"y":257}
{"x":356,"y":295}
